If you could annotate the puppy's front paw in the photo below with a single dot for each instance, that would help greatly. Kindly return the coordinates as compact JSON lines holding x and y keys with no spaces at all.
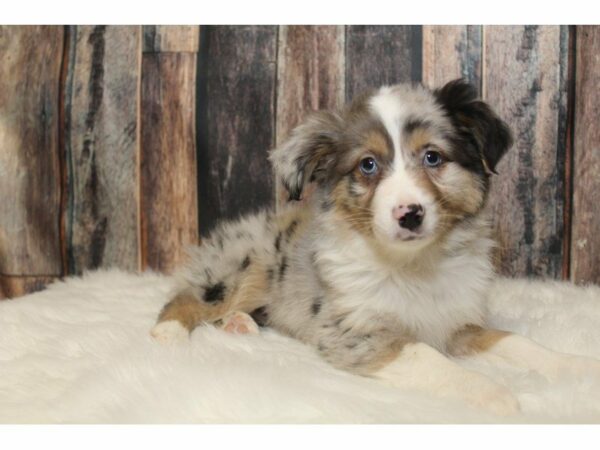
{"x":556,"y":366}
{"x":491,"y":396}
{"x":499,"y":401}
{"x":581,"y":367}
{"x":169,"y":331}
{"x":238,"y":322}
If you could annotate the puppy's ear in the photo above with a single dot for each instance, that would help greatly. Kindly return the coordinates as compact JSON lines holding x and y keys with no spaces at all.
{"x":309,"y":153}
{"x":476,"y":122}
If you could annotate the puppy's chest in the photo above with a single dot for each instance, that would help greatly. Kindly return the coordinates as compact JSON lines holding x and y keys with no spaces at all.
{"x":429,"y":305}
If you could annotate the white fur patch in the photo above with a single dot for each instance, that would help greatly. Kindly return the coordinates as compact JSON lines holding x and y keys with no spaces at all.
{"x":391,"y":113}
{"x":169,"y":331}
{"x":450,"y":295}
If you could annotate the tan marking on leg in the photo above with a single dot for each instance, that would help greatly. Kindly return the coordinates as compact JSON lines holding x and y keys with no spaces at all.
{"x":363,"y":362}
{"x":189,"y":311}
{"x":251,"y":293}
{"x":474,"y":339}
{"x":384,"y":358}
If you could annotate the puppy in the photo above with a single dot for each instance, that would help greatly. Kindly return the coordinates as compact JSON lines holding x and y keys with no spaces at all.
{"x":384,"y":271}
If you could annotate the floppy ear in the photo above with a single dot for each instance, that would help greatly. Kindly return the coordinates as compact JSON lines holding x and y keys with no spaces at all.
{"x":309,"y":153}
{"x":476,"y":122}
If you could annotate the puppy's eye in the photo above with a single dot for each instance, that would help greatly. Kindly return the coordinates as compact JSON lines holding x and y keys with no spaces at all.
{"x":368,"y":166}
{"x":432,"y":159}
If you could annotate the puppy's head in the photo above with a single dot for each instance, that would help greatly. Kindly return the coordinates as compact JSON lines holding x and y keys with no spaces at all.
{"x":401,"y":165}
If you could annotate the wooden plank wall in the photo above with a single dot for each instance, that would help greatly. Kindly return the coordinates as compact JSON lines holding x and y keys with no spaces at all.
{"x":30,"y":174}
{"x":585,"y":244}
{"x":528,"y":197}
{"x":102,"y":147}
{"x":168,"y":186}
{"x":121,"y":145}
{"x":236,"y":123}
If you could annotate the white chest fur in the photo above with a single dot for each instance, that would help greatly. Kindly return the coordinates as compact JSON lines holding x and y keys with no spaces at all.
{"x":430,"y":299}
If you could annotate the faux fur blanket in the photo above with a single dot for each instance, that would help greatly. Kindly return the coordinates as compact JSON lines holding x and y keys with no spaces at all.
{"x":80,"y":352}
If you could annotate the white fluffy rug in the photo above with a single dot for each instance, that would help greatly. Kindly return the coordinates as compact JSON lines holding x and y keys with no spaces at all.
{"x":80,"y":352}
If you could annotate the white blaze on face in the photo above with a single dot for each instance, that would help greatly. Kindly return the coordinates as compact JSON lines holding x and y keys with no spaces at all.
{"x":399,"y":188}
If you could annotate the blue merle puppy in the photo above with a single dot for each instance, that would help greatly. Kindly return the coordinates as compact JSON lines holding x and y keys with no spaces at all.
{"x":385,"y":269}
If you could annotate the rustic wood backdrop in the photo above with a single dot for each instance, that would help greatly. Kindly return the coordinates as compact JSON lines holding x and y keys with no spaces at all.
{"x":121,"y":144}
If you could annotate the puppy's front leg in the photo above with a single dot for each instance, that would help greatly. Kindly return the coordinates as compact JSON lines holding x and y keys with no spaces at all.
{"x":518,"y":351}
{"x":420,"y":366}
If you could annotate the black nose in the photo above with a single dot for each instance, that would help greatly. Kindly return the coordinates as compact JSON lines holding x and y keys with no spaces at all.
{"x":413,"y":218}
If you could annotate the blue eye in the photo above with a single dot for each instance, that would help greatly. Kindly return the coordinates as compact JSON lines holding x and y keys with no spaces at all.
{"x":368,"y":166}
{"x":432,"y":159}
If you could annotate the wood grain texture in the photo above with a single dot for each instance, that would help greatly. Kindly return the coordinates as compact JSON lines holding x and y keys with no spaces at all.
{"x":101,"y":139}
{"x":310,"y":73}
{"x":378,"y":55}
{"x":29,"y":154}
{"x":169,"y":203}
{"x":524,"y":79}
{"x":13,"y":287}
{"x":236,"y":120}
{"x":451,"y":52}
{"x":310,"y":76}
{"x":171,"y":38}
{"x":585,"y":243}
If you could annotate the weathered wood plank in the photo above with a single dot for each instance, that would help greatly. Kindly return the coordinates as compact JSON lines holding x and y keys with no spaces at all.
{"x":169,"y":202}
{"x":29,"y":153}
{"x":12,"y":287}
{"x":566,"y":126}
{"x":101,"y":139}
{"x":378,"y":55}
{"x":524,"y":79}
{"x":585,"y":243}
{"x":236,"y":103}
{"x":450,"y":52}
{"x":310,"y":69}
{"x":171,"y":38}
{"x":310,"y":76}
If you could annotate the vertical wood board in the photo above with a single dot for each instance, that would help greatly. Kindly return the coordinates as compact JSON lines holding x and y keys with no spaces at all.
{"x":169,"y":208}
{"x":236,"y":121}
{"x":585,"y":243}
{"x":171,"y":38}
{"x":378,"y":55}
{"x":524,"y":79}
{"x":102,"y":145}
{"x":450,"y":52}
{"x":30,"y":70}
